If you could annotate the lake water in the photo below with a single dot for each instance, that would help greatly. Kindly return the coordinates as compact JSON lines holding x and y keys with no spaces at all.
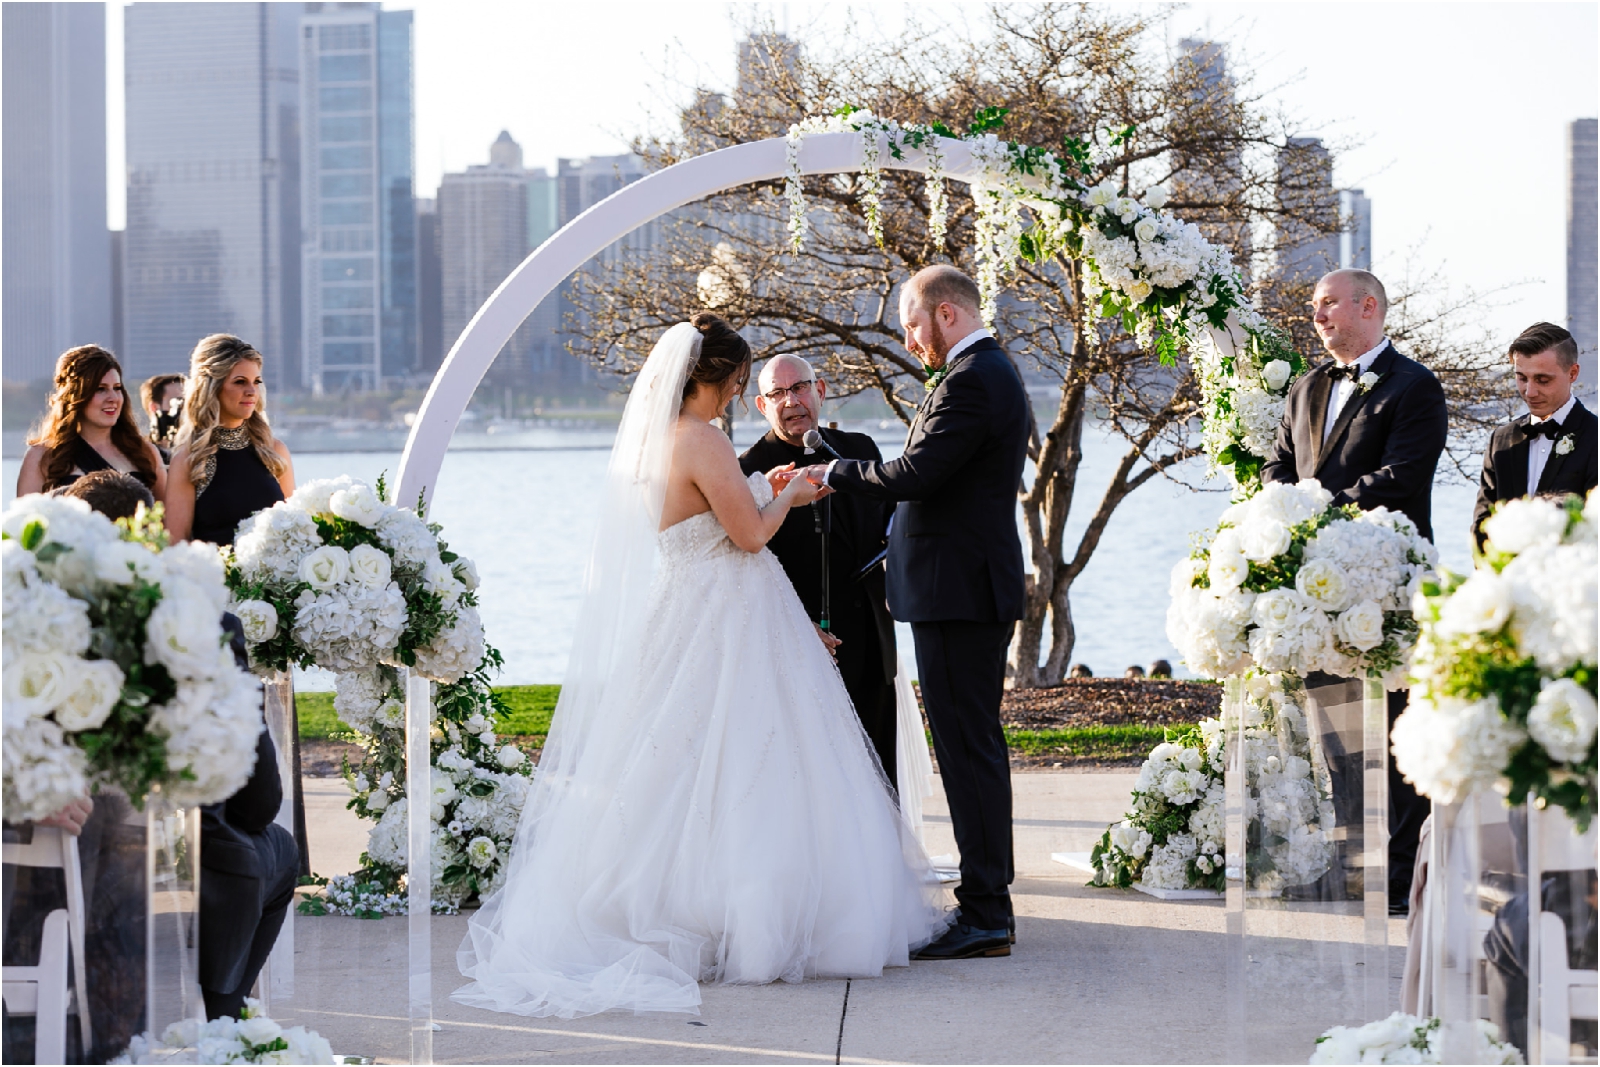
{"x":526,"y":516}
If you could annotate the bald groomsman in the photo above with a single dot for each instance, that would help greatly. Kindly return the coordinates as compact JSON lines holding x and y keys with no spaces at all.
{"x":1370,"y":425}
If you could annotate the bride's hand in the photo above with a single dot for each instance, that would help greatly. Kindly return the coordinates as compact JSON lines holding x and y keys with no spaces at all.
{"x":779,"y":477}
{"x":803,"y":491}
{"x":829,"y":642}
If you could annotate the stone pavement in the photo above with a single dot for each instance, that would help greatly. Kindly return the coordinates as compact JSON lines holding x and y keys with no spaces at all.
{"x":1096,"y":976}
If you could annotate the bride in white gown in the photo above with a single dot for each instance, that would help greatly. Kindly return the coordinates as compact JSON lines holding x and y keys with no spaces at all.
{"x":707,"y":806}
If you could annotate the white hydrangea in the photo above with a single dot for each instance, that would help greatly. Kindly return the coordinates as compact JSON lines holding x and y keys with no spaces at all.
{"x":1448,"y":747}
{"x":456,"y":651}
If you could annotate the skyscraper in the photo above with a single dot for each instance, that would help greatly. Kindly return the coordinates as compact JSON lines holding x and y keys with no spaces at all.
{"x":1355,"y":239}
{"x":430,"y":287}
{"x":213,"y":143}
{"x":56,"y":273}
{"x":1201,"y":70}
{"x":358,"y":216}
{"x":1583,"y":314}
{"x":483,"y":235}
{"x":1308,"y":244}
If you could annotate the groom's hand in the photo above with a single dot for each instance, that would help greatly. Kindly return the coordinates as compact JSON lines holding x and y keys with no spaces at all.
{"x":816,"y":474}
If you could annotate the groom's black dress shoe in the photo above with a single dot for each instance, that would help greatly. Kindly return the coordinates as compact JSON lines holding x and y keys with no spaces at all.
{"x":963,"y":942}
{"x":1011,"y":929}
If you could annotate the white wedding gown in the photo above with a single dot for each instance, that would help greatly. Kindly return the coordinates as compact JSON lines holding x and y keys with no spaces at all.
{"x":729,"y":822}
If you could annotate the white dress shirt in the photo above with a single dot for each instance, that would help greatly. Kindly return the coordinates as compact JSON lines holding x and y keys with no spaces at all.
{"x":1539,"y":448}
{"x":955,"y":350}
{"x":1344,"y":389}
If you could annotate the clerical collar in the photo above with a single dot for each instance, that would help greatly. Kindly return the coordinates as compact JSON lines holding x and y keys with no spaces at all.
{"x":1560,"y":414}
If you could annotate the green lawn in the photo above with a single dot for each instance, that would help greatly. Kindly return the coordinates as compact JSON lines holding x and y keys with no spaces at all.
{"x":1096,"y":742}
{"x":531,"y":707}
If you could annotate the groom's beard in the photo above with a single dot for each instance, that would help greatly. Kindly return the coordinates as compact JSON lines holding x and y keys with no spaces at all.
{"x":938,"y":347}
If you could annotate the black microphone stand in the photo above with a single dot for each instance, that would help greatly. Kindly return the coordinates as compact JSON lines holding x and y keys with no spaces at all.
{"x":822,"y":511}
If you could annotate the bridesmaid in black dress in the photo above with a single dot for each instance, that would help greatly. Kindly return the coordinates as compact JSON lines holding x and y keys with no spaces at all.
{"x":228,"y":465}
{"x":89,"y":427}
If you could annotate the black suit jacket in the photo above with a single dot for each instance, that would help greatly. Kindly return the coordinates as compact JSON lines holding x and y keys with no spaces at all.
{"x":954,"y":552}
{"x":1505,"y":464}
{"x":1384,"y":447}
{"x":230,"y":887}
{"x":858,"y":525}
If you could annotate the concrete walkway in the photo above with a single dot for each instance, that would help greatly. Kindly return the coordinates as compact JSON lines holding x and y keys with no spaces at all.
{"x":1096,"y":976}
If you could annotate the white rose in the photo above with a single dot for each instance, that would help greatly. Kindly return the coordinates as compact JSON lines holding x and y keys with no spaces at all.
{"x":35,"y":683}
{"x":259,"y":618}
{"x":1184,"y":574}
{"x":511,"y":757}
{"x":1562,"y":720}
{"x":95,"y":688}
{"x":1276,"y":373}
{"x":1278,"y":610}
{"x":1156,"y":196}
{"x":184,"y":632}
{"x":259,"y":1030}
{"x":1146,"y":229}
{"x":466,"y":572}
{"x":1325,"y":582}
{"x":377,"y":801}
{"x":437,"y":578}
{"x":1227,"y":570}
{"x":358,"y":503}
{"x":1367,"y":381}
{"x":326,"y":567}
{"x":1482,"y":604}
{"x":369,"y":566}
{"x":1137,"y":290}
{"x":1102,"y":194}
{"x":1263,"y":537}
{"x":1362,"y":626}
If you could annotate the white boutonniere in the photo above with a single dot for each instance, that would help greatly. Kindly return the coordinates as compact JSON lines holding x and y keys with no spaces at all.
{"x":1565,"y":444}
{"x":1366,"y":382}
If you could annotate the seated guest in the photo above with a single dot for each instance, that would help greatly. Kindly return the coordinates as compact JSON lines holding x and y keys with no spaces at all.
{"x":1551,"y":449}
{"x":112,"y":493}
{"x":861,"y":631}
{"x":162,"y":398}
{"x":89,"y":427}
{"x":249,"y":866}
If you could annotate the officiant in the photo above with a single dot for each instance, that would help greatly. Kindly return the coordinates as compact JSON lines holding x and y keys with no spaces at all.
{"x":853,"y":528}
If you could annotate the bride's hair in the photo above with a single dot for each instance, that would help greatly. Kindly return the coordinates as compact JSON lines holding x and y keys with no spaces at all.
{"x":723,"y":355}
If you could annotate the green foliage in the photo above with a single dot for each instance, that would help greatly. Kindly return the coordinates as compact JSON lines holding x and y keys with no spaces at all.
{"x":987,"y":120}
{"x":1113,"y":742}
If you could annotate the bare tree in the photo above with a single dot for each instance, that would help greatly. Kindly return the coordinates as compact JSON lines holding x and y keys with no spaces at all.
{"x":1063,"y":72}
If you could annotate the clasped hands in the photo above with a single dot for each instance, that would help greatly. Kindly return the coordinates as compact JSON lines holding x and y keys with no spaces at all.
{"x":780,"y":477}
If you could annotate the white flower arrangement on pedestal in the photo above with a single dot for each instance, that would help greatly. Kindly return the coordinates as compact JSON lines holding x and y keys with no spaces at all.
{"x":1173,"y":834}
{"x":337,"y":578}
{"x":1290,"y":583}
{"x":1505,"y":671}
{"x":251,"y":1038}
{"x":1243,"y":395}
{"x":116,"y":667}
{"x":1403,"y":1038}
{"x":479,"y":787}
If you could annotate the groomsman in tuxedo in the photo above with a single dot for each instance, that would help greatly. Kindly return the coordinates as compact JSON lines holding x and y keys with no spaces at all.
{"x":1551,"y":449}
{"x":955,"y":574}
{"x":1370,"y":425}
{"x":860,"y":628}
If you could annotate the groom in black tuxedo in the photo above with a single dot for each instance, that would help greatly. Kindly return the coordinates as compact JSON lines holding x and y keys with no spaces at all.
{"x":955,"y":574}
{"x":791,"y":398}
{"x":1370,"y":425}
{"x":1551,"y":449}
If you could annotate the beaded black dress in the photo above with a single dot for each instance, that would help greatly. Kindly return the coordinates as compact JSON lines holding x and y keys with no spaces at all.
{"x":234,"y":486}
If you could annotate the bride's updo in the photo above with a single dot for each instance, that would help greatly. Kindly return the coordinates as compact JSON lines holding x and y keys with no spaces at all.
{"x":723,"y":355}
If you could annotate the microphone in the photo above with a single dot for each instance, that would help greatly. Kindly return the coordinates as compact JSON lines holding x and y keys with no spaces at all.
{"x":813,"y":441}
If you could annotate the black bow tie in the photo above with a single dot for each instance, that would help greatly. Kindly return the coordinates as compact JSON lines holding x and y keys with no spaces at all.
{"x":1337,"y":371}
{"x":1548,"y":428}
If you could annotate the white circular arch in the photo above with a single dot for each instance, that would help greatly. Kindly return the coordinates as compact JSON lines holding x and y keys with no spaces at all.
{"x":589,"y":234}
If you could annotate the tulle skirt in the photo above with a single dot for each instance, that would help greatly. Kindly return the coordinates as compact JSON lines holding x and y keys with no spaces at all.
{"x":723,"y":819}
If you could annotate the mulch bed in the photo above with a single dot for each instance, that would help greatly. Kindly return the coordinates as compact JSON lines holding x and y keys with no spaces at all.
{"x":1110,"y":702}
{"x":1075,"y":704}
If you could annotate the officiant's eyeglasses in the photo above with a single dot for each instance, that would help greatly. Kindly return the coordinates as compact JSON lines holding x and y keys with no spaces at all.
{"x":797,"y":390}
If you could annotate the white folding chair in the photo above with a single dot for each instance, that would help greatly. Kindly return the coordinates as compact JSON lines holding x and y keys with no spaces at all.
{"x":1556,"y":993}
{"x":32,"y":990}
